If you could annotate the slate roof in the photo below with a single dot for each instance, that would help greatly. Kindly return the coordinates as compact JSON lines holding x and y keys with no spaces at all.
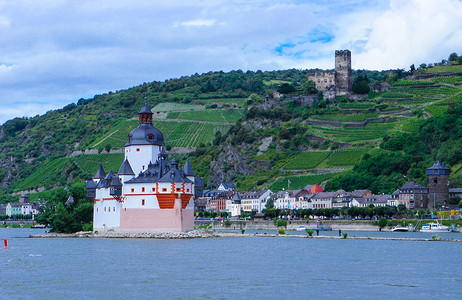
{"x":145,"y":134}
{"x":100,"y":174}
{"x":236,"y":198}
{"x":126,"y":169}
{"x":145,"y":109}
{"x":188,"y":171}
{"x":412,"y":185}
{"x":438,"y":169}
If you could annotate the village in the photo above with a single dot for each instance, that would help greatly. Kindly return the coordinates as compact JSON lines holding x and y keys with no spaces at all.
{"x":411,"y":195}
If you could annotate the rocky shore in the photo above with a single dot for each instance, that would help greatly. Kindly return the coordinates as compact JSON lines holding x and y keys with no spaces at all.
{"x":213,"y":234}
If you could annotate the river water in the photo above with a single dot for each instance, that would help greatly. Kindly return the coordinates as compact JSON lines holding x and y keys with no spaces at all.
{"x":227,"y":268}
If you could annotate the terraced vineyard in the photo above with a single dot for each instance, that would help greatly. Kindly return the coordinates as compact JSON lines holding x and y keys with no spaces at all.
{"x":345,"y":157}
{"x":372,"y":132}
{"x":213,"y":115}
{"x":347,"y":117}
{"x":171,"y":106}
{"x":194,"y":133}
{"x":298,"y":182}
{"x":307,"y":160}
{"x":49,"y":174}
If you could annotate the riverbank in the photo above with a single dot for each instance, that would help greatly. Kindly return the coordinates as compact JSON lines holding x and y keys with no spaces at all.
{"x":195,"y":234}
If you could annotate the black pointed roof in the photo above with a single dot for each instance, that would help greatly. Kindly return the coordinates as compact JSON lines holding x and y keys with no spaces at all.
{"x":145,"y":109}
{"x":100,"y":174}
{"x":188,"y":171}
{"x":126,"y":169}
{"x":236,"y":198}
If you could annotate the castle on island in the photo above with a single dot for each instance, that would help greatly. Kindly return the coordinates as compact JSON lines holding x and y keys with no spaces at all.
{"x":149,"y":193}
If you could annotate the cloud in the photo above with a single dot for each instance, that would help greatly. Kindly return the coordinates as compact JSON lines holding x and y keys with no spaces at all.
{"x":55,"y":52}
{"x":408,"y":32}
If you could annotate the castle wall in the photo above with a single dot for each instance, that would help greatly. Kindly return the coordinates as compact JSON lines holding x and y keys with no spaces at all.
{"x":156,"y":220}
{"x":324,"y":80}
{"x":106,"y":214}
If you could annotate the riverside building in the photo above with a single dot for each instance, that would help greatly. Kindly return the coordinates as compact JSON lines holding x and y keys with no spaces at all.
{"x":149,"y":193}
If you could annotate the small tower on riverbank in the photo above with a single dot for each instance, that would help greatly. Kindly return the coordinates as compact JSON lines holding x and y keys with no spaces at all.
{"x":438,"y":185}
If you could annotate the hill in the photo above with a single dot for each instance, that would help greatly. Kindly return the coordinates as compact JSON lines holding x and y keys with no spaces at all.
{"x":205,"y":117}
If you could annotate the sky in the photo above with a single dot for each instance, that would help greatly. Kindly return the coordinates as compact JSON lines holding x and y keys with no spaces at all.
{"x":54,"y":52}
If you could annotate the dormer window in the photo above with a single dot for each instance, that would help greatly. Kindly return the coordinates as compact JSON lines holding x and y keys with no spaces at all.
{"x":150,"y":136}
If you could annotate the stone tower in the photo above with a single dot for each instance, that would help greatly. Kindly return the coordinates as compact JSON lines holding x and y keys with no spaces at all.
{"x":343,"y":77}
{"x":438,"y":185}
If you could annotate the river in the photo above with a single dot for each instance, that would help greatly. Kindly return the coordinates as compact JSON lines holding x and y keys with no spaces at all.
{"x":227,"y":268}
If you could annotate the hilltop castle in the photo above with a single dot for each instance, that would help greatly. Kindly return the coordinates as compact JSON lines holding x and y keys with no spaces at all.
{"x":159,"y":199}
{"x":338,"y":82}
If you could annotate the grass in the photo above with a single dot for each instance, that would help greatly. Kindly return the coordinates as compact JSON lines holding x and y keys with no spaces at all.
{"x":307,"y":160}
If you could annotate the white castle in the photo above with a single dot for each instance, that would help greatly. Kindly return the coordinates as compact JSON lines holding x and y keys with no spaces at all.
{"x":159,"y":199}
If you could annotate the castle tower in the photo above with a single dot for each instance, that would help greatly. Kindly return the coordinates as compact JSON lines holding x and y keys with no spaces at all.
{"x":343,"y":77}
{"x":144,"y":142}
{"x":438,"y":185}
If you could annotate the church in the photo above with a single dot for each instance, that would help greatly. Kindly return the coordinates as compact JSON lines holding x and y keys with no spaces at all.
{"x":149,"y":193}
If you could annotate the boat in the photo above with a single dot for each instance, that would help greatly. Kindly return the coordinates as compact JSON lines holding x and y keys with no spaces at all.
{"x":399,"y":228}
{"x":301,"y":228}
{"x":435,"y":227}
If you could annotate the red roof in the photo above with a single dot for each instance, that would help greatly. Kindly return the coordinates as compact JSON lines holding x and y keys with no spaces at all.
{"x":315,"y":189}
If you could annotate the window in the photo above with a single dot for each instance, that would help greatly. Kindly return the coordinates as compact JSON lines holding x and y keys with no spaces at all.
{"x":435,"y":180}
{"x":137,"y":149}
{"x":113,"y":209}
{"x":105,"y":209}
{"x":97,"y":209}
{"x":187,"y":190}
{"x":142,"y":189}
{"x":133,"y":190}
{"x":164,"y":190}
{"x":178,"y":189}
{"x":109,"y":209}
{"x":153,"y":189}
{"x":142,"y":202}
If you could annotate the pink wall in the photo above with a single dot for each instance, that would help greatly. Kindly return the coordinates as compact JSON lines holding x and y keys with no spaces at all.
{"x":156,"y":220}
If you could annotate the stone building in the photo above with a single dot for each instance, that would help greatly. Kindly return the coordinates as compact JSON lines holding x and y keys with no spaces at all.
{"x":438,"y":185}
{"x":337,"y":82}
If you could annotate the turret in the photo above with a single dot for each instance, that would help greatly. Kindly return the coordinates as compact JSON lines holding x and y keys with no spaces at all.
{"x":438,"y":185}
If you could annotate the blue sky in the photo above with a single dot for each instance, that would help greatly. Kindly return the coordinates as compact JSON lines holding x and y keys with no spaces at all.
{"x":53,"y":52}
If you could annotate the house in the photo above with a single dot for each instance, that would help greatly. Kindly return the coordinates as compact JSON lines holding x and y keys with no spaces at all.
{"x":291,"y":199}
{"x":413,"y":195}
{"x":149,"y":193}
{"x":2,"y":209}
{"x":13,"y":209}
{"x":393,"y":200}
{"x":376,"y":200}
{"x":227,"y":186}
{"x":255,"y":201}
{"x":456,"y":192}
{"x":233,"y":205}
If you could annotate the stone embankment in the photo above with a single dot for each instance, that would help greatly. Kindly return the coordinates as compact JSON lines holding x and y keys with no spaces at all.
{"x":212,"y":234}
{"x":136,"y":235}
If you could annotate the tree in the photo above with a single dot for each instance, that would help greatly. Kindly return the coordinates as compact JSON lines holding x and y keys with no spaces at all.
{"x":382,"y":222}
{"x":453,"y":56}
{"x":309,"y":87}
{"x":269,"y":203}
{"x":412,"y":67}
{"x":361,"y":85}
{"x":286,"y":88}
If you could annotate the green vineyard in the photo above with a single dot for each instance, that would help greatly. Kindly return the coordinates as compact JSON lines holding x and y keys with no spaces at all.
{"x":307,"y":160}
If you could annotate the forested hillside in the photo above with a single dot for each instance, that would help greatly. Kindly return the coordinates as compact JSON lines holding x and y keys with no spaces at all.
{"x":369,"y":143}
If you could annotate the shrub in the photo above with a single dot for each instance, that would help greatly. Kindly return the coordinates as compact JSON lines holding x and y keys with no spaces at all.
{"x":309,"y":232}
{"x":281,"y":231}
{"x":87,"y":227}
{"x":282,"y":223}
{"x":242,"y":230}
{"x":345,"y":235}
